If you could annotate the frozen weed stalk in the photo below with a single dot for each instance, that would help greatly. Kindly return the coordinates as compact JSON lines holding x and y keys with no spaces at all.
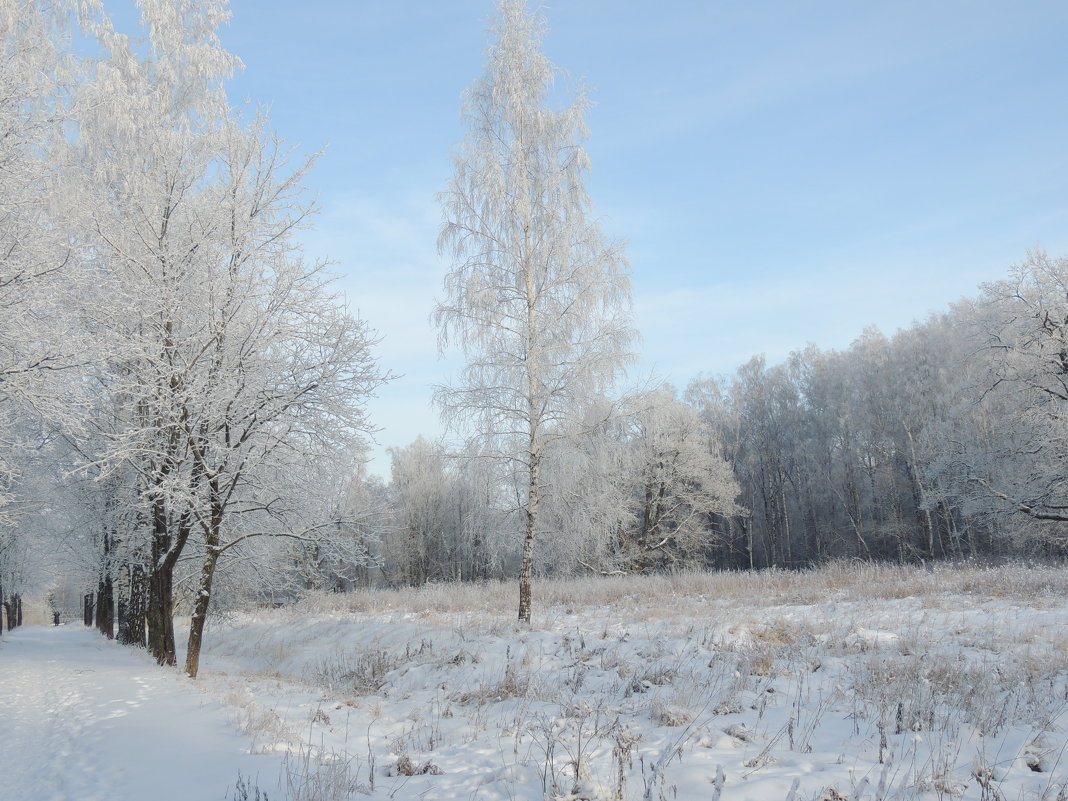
{"x":245,"y":790}
{"x":317,"y":774}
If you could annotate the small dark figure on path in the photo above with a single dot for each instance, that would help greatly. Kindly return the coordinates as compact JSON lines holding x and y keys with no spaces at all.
{"x":55,"y":618}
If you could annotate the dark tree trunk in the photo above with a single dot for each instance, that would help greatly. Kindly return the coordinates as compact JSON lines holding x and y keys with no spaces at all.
{"x":105,"y":608}
{"x":87,"y":609}
{"x":200,"y":613}
{"x":122,"y":606}
{"x":132,"y":609}
{"x":159,"y":610}
{"x":105,"y":593}
{"x":212,"y":536}
{"x":649,"y":535}
{"x":158,"y":617}
{"x":13,"y":608}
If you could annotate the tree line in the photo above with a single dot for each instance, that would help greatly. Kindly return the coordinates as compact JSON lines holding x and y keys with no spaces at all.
{"x":943,"y":442}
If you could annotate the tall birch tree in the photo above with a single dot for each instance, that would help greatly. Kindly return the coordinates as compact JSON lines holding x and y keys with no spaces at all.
{"x":537,"y":297}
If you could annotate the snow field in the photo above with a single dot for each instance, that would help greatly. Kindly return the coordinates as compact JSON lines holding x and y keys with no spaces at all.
{"x":838,"y":683}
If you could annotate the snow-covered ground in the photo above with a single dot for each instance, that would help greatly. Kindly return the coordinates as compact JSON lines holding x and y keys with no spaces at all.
{"x":856,"y":682}
{"x":83,"y":719}
{"x":843,"y":683}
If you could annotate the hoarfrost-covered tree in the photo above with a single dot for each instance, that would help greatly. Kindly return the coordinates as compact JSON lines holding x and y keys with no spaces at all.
{"x":37,"y":72}
{"x":34,"y":251}
{"x":145,"y":148}
{"x":425,"y":519}
{"x":682,"y":485}
{"x":589,"y":509}
{"x":286,"y":369}
{"x":234,"y":366}
{"x":537,"y":297}
{"x":1026,"y":321}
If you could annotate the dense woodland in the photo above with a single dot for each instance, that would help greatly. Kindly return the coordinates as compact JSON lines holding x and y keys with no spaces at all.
{"x":182,"y":390}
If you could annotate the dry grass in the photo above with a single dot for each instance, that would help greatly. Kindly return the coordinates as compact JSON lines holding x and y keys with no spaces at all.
{"x":362,"y":672}
{"x":262,"y":725}
{"x":657,"y":596}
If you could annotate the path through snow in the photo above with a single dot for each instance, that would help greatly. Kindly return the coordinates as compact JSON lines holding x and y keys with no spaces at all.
{"x":83,"y":718}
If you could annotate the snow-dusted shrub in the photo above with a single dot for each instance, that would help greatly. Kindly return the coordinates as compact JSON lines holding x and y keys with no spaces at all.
{"x":666,"y":713}
{"x":405,"y":767}
{"x":515,"y":683}
{"x":359,"y":671}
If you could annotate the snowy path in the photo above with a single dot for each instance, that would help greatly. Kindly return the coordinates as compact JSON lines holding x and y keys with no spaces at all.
{"x":83,"y":718}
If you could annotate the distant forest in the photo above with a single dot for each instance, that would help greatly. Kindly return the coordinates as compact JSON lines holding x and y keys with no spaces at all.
{"x":945,"y":441}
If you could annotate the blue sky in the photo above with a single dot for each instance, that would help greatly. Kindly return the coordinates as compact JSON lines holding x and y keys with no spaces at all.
{"x":784,"y":172}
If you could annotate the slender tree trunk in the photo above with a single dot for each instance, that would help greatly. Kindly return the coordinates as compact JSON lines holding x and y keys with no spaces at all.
{"x":768,"y":540}
{"x":135,"y":627}
{"x":14,"y":611}
{"x":747,"y":525}
{"x":919,"y":494}
{"x":949,"y":524}
{"x":640,"y":559}
{"x":158,"y":617}
{"x":105,"y":608}
{"x":526,"y":568}
{"x":131,"y":606}
{"x":122,"y":604}
{"x":533,"y":372}
{"x":200,"y":613}
{"x":649,"y":536}
{"x":160,"y":610}
{"x":787,"y":533}
{"x":207,"y":575}
{"x":169,"y":535}
{"x":105,"y":595}
{"x":855,"y":514}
